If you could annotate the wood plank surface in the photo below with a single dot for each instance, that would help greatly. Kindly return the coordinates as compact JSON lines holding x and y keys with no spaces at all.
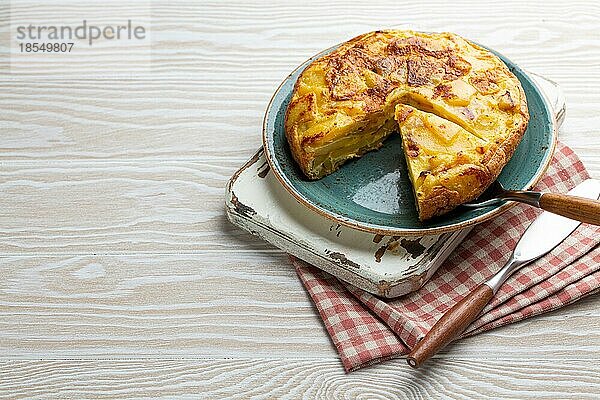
{"x":296,"y":379}
{"x":120,"y":276}
{"x":118,"y":207}
{"x":214,"y":304}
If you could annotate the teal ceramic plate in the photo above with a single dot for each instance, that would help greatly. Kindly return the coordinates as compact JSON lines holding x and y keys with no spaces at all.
{"x":373,"y":193}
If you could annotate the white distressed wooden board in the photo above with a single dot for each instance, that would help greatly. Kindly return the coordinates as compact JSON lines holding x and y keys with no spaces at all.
{"x":120,"y":276}
{"x":388,"y":266}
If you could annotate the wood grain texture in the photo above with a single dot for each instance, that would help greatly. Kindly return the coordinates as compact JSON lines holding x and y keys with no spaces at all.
{"x":204,"y":52}
{"x":117,"y":207}
{"x":579,"y":208}
{"x":295,"y":379}
{"x":218,"y":304}
{"x":119,"y":274}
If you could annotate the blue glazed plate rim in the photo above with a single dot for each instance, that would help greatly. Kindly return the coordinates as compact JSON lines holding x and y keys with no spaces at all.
{"x":388,"y":230}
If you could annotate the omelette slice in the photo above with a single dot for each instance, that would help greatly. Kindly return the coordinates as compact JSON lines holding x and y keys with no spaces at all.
{"x":447,"y":164}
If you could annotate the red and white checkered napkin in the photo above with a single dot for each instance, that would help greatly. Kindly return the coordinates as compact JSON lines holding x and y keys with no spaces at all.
{"x":366,"y":329}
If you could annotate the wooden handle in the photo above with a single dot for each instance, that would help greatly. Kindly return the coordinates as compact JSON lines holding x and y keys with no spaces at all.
{"x":452,"y":324}
{"x":577,"y":208}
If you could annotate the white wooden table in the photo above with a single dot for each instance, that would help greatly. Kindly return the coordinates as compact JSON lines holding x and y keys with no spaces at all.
{"x":120,"y":276}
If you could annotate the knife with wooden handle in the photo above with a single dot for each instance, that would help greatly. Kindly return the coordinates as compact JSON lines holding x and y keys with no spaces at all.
{"x":574,"y":207}
{"x":543,"y":235}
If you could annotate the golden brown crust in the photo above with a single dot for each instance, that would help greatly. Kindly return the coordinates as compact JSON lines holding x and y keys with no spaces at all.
{"x":439,"y":202}
{"x":476,"y":164}
{"x":444,"y":200}
{"x":291,"y":133}
{"x":350,"y":91}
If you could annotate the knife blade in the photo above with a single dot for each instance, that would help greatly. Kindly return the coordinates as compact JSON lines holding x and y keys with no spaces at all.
{"x":545,"y":233}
